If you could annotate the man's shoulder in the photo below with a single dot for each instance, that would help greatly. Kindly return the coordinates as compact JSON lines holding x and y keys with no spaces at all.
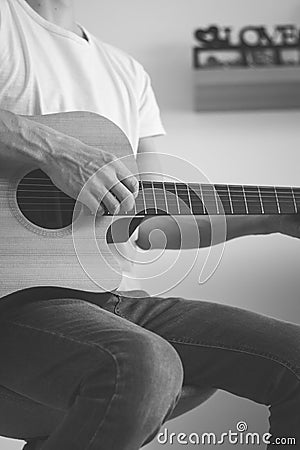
{"x":121,"y":58}
{"x":3,"y":4}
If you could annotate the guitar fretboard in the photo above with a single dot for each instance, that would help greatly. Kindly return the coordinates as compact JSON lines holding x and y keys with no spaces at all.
{"x":158,"y":198}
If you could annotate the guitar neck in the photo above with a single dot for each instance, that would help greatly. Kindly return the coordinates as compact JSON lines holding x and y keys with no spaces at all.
{"x":158,"y":198}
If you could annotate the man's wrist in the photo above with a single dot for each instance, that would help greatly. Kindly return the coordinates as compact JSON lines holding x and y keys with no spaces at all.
{"x":238,"y":226}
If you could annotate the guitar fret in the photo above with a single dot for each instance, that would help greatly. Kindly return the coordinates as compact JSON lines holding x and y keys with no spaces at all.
{"x":245,"y":199}
{"x":176,"y":193}
{"x":149,"y":198}
{"x":237,"y":200}
{"x":209,"y":199}
{"x":165,"y":196}
{"x":139,"y":204}
{"x":144,"y":199}
{"x":201,"y":195}
{"x":269,"y":200}
{"x":154,"y":197}
{"x":253,"y":200}
{"x":222,"y":191}
{"x":277,"y":200}
{"x":294,"y":200}
{"x":190,"y":200}
{"x":216,"y":200}
{"x":172,"y":202}
{"x":230,"y":201}
{"x":183,"y":194}
{"x":261,"y":202}
{"x":286,"y":200}
{"x":297,"y":198}
{"x":160,"y":198}
{"x":196,"y":201}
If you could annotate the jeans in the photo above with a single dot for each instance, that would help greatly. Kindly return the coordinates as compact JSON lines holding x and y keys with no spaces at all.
{"x":107,"y":373}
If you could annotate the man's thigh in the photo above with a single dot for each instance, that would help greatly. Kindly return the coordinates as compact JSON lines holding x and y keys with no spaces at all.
{"x":46,"y":349}
{"x":220,"y":346}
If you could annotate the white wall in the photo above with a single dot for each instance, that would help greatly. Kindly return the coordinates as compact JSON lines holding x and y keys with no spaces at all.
{"x":160,"y":33}
{"x":256,"y":273}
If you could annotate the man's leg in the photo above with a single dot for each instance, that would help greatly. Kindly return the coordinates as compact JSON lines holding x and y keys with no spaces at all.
{"x":223,"y":347}
{"x":112,"y":382}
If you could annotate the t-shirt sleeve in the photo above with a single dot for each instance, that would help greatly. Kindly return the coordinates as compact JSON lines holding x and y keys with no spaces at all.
{"x":149,"y":113}
{"x":3,"y":8}
{"x":1,"y":13}
{"x":3,"y":5}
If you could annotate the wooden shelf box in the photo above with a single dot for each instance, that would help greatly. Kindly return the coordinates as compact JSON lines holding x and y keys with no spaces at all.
{"x":247,"y":88}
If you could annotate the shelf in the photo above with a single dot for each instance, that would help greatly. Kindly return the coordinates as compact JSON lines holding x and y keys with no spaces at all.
{"x":247,"y":88}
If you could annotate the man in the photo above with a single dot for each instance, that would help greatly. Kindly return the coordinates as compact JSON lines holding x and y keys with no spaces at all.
{"x":105,"y":371}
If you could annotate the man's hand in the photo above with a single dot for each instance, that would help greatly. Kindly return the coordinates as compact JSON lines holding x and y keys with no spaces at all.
{"x":70,"y":164}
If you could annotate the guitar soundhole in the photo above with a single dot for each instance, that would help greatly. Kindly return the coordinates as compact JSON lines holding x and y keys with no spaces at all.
{"x":42,"y":203}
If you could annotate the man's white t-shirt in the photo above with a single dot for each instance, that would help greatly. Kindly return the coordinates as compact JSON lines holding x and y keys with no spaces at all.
{"x":46,"y":69}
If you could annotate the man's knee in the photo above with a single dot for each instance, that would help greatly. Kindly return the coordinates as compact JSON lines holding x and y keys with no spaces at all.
{"x":157,"y":370}
{"x":141,"y":364}
{"x":286,"y":343}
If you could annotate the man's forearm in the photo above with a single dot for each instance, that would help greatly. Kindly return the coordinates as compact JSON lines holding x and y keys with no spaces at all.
{"x":186,"y":233}
{"x":24,"y":141}
{"x":237,"y":226}
{"x":20,"y":142}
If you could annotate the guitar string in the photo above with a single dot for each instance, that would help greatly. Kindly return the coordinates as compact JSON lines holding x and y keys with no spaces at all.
{"x":70,"y":201}
{"x":192,"y":187}
{"x":149,"y":191}
{"x":199,"y":202}
{"x":263,"y":190}
{"x":162,"y":200}
{"x":64,"y":197}
{"x":161,"y":194}
{"x":239,"y":190}
{"x":154,"y":212}
{"x":174,"y":213}
{"x":162,"y":182}
{"x":185,"y":186}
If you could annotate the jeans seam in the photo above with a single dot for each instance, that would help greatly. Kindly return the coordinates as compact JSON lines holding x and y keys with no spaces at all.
{"x":92,"y":345}
{"x":107,"y":409}
{"x":244,"y":349}
{"x":22,"y":399}
{"x":117,"y":308}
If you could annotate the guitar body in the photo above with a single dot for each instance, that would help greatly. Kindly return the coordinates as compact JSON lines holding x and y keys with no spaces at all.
{"x":32,"y":254}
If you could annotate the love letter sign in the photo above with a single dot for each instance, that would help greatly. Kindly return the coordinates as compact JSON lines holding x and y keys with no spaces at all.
{"x":252,"y":45}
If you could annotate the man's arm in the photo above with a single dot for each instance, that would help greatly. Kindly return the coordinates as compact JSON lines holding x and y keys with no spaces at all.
{"x":68,"y":162}
{"x":165,"y":232}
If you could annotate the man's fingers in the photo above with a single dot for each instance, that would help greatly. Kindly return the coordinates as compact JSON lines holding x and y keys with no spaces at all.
{"x":124,"y":195}
{"x":111,"y":203}
{"x":91,"y":202}
{"x":126,"y":177}
{"x":132,"y":184}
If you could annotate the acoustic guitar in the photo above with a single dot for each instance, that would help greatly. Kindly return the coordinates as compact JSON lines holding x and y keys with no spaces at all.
{"x":44,"y":243}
